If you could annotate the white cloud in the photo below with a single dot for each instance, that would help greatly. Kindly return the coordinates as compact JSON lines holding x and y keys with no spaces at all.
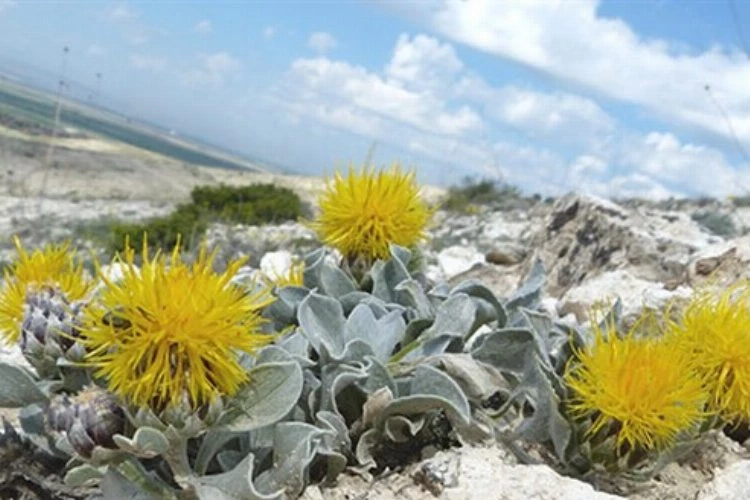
{"x":95,"y":50}
{"x":423,"y":63}
{"x":269,"y":32}
{"x":203,"y":27}
{"x":322,"y":42}
{"x":212,"y":71}
{"x":123,"y":12}
{"x":6,"y":5}
{"x":573,"y":42}
{"x":147,"y":63}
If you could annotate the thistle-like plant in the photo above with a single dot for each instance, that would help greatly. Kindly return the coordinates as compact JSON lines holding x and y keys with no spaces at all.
{"x":365,"y":212}
{"x":51,"y":267}
{"x":639,"y":394}
{"x":713,"y":328}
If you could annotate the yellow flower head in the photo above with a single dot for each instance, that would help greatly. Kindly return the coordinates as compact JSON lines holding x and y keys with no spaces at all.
{"x":362,"y":213}
{"x":163,"y":332}
{"x":53,"y":266}
{"x":642,"y":388}
{"x":293,"y":277}
{"x":714,"y":328}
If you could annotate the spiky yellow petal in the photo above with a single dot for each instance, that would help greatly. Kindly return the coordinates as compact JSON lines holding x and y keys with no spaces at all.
{"x":52,"y":266}
{"x":363,"y":213}
{"x":166,"y":330}
{"x":714,"y":328}
{"x":643,"y":388}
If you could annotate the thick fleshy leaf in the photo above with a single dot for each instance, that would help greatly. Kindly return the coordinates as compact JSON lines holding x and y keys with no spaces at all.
{"x":271,"y":393}
{"x":83,"y":474}
{"x":489,"y":307}
{"x":235,"y":484}
{"x":454,"y":317}
{"x":335,"y":282}
{"x":386,"y":275}
{"x":413,"y":296}
{"x":400,"y":429}
{"x":295,"y":446}
{"x":431,"y":389}
{"x":147,"y":442}
{"x":382,"y":335}
{"x":478,"y":380}
{"x":17,"y":387}
{"x":530,"y":292}
{"x":115,"y":486}
{"x":322,"y":322}
{"x":507,"y":349}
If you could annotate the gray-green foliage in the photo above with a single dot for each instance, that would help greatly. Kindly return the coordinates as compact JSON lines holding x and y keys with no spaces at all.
{"x":366,"y":373}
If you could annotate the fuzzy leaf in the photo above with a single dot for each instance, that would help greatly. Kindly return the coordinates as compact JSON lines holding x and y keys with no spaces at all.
{"x":17,"y":387}
{"x":489,"y":308}
{"x":115,"y":486}
{"x":382,"y":335}
{"x":271,"y":393}
{"x":478,"y":380}
{"x":413,"y":296}
{"x":82,"y":474}
{"x":454,"y":317}
{"x":322,"y":321}
{"x":400,"y":429}
{"x":529,"y":293}
{"x":352,"y":300}
{"x":335,"y":282}
{"x":212,"y":442}
{"x":378,"y":377}
{"x":506,"y":349}
{"x":365,"y":445}
{"x":430,"y":389}
{"x":386,"y":275}
{"x":295,"y":447}
{"x":147,"y":442}
{"x":334,"y":379}
{"x":235,"y":484}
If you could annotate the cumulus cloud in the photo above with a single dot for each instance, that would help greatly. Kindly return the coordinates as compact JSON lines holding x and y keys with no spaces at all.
{"x":322,"y":42}
{"x":6,"y":5}
{"x":426,"y":102}
{"x":556,"y":37}
{"x":213,"y":70}
{"x":147,"y":63}
{"x":123,"y":12}
{"x":203,"y":27}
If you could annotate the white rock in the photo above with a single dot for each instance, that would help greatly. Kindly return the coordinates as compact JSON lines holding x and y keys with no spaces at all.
{"x":457,"y":259}
{"x":275,"y":264}
{"x":636,"y":294}
{"x":732,"y":483}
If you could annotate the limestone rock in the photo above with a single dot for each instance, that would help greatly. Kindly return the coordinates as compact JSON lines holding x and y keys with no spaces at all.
{"x":506,"y":254}
{"x":457,"y":259}
{"x":732,"y":483}
{"x":585,"y":236}
{"x":724,"y":262}
{"x":636,"y":295}
{"x":487,"y":473}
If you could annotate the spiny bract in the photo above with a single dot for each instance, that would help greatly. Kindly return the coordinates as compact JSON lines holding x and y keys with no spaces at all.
{"x":166,"y":330}
{"x":714,"y":328}
{"x":642,"y":388}
{"x":363,"y":213}
{"x":53,"y":266}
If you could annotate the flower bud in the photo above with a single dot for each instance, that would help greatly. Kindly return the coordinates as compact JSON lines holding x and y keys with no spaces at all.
{"x":90,"y":418}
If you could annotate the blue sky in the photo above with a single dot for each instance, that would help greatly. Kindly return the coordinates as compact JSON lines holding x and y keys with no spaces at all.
{"x":606,"y":97}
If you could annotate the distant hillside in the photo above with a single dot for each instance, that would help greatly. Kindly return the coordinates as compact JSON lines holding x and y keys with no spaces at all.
{"x":37,"y":108}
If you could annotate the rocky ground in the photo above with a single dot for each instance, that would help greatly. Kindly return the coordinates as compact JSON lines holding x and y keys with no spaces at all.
{"x":645,"y":253}
{"x":593,"y":249}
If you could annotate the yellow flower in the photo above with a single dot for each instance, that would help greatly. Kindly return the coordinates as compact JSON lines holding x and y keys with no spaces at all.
{"x":714,"y":328}
{"x":52,"y":266}
{"x":642,"y":388}
{"x":362,"y":213}
{"x":164,"y":332}
{"x":293,"y":277}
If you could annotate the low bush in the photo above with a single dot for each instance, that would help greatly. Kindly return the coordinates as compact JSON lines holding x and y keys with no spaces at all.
{"x":250,"y":205}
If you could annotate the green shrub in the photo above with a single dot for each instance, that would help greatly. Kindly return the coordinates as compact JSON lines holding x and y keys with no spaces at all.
{"x":716,"y":222}
{"x":251,"y":205}
{"x":471,"y":194}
